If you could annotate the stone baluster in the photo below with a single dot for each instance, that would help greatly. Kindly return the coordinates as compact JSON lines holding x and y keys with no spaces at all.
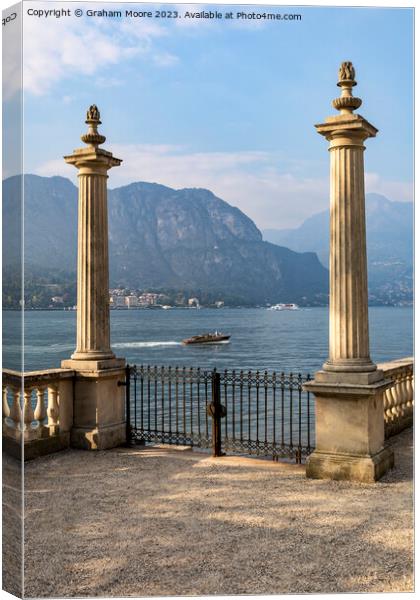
{"x":28,"y":413}
{"x":404,"y":395}
{"x":15,"y":410}
{"x":397,"y":396}
{"x":53,"y":409}
{"x":400,"y":394}
{"x":388,"y":405}
{"x":409,"y":388}
{"x":40,"y":410}
{"x":6,"y":409}
{"x":394,"y":400}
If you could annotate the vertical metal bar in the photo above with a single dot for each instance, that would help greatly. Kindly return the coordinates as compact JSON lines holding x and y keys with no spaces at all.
{"x":198,"y":402}
{"x":226,"y":400}
{"x":207,"y":403}
{"x":149,"y":375}
{"x":300,"y":417}
{"x":249,"y":407}
{"x":127,"y":406}
{"x":155,"y":396}
{"x":291,"y":409}
{"x":257,"y":386}
{"x":184,"y":418}
{"x":233,"y":406}
{"x":274,"y":413}
{"x":162,"y":400}
{"x":308,"y":413}
{"x":241,"y":400}
{"x":217,"y":434}
{"x":265,"y":407}
{"x":170,"y":402}
{"x":141,"y":399}
{"x":282,"y":409}
{"x":191,"y":403}
{"x":135,"y":397}
{"x":177,"y":403}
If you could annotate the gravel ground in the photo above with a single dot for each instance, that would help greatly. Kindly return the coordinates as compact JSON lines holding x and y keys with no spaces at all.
{"x":155,"y":521}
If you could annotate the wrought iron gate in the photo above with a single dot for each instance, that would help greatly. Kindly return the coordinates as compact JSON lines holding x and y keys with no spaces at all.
{"x":247,"y":412}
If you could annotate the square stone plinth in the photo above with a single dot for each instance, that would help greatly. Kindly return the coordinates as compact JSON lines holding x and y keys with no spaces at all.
{"x":99,"y":404}
{"x":349,"y":431}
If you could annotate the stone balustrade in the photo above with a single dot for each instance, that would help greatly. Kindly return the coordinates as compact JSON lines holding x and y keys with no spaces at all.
{"x":37,"y":410}
{"x":399,"y":398}
{"x":38,"y":407}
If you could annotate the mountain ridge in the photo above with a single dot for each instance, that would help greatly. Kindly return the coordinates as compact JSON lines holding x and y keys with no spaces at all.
{"x":389,"y":231}
{"x":162,"y":238}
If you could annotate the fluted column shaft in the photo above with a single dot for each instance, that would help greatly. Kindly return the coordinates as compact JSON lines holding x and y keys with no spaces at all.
{"x":348,"y":322}
{"x":93,"y":329}
{"x":349,"y":327}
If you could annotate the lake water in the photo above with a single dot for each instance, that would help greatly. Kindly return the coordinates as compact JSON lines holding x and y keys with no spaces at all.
{"x":261,"y":339}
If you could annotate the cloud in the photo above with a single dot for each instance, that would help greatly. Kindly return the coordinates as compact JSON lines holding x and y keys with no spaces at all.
{"x":81,"y":46}
{"x":252,"y":181}
{"x":165,"y":59}
{"x":249,"y":180}
{"x":108,"y":82}
{"x":259,"y":183}
{"x":398,"y":191}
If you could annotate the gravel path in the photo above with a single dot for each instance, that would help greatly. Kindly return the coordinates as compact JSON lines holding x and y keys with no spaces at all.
{"x":158,"y":522}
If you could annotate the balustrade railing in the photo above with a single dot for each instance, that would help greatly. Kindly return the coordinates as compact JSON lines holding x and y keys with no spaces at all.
{"x":399,"y":398}
{"x":37,"y":404}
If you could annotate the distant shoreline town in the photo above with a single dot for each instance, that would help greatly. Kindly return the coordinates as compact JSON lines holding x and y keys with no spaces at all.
{"x":133,"y":299}
{"x":120,"y":299}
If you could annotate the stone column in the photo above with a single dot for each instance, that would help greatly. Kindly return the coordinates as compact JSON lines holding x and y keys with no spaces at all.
{"x":98,"y":403}
{"x":349,"y":388}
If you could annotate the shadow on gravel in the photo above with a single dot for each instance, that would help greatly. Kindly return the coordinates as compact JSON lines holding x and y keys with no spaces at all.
{"x":157,"y":522}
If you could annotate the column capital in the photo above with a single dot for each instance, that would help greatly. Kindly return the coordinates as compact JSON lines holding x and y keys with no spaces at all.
{"x":354,"y":127}
{"x":348,"y":125}
{"x":92,"y":159}
{"x":95,"y":160}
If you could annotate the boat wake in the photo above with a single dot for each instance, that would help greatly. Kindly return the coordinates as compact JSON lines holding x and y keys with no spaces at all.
{"x":145,"y":344}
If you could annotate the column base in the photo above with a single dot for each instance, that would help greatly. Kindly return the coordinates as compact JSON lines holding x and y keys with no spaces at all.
{"x":350,"y":365}
{"x":98,"y":438}
{"x":366,"y":469}
{"x":352,"y":379}
{"x":92,"y":364}
{"x":92,"y":355}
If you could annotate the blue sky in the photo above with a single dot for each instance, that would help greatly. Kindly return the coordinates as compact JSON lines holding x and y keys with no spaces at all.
{"x":226,"y":105}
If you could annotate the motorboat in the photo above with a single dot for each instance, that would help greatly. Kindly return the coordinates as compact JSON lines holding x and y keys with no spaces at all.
{"x":284,"y":307}
{"x":207,"y":338}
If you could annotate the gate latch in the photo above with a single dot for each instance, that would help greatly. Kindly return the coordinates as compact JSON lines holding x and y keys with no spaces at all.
{"x":216,"y":410}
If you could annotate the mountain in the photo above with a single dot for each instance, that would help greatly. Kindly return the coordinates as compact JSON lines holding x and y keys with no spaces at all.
{"x":162,"y":239}
{"x":389,"y":232}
